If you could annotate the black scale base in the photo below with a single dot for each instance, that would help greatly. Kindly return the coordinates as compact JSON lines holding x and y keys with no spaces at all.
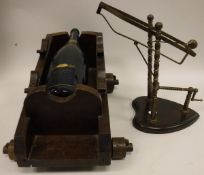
{"x":170,"y":117}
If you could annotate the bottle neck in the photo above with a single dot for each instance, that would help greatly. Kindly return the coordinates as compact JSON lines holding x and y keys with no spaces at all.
{"x":74,"y":36}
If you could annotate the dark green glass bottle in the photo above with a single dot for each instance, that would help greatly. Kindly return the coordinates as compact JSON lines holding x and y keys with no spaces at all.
{"x":68,"y":68}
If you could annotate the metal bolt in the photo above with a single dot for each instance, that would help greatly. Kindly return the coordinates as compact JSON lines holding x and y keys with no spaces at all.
{"x":9,"y":149}
{"x":120,"y":146}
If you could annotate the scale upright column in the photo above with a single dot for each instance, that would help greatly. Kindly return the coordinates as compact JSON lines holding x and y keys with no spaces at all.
{"x":158,"y":27}
{"x":150,"y":45}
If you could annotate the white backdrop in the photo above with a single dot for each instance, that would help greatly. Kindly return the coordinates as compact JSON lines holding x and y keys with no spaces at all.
{"x":24,"y":23}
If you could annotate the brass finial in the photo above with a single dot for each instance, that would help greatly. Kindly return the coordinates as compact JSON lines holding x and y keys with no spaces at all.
{"x":150,"y":17}
{"x":158,"y":26}
{"x":192,"y":44}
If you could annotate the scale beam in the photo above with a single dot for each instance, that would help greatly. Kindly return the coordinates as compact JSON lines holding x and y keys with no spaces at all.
{"x":185,"y":47}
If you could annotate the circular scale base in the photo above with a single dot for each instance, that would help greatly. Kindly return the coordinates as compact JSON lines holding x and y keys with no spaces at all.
{"x":170,"y":117}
